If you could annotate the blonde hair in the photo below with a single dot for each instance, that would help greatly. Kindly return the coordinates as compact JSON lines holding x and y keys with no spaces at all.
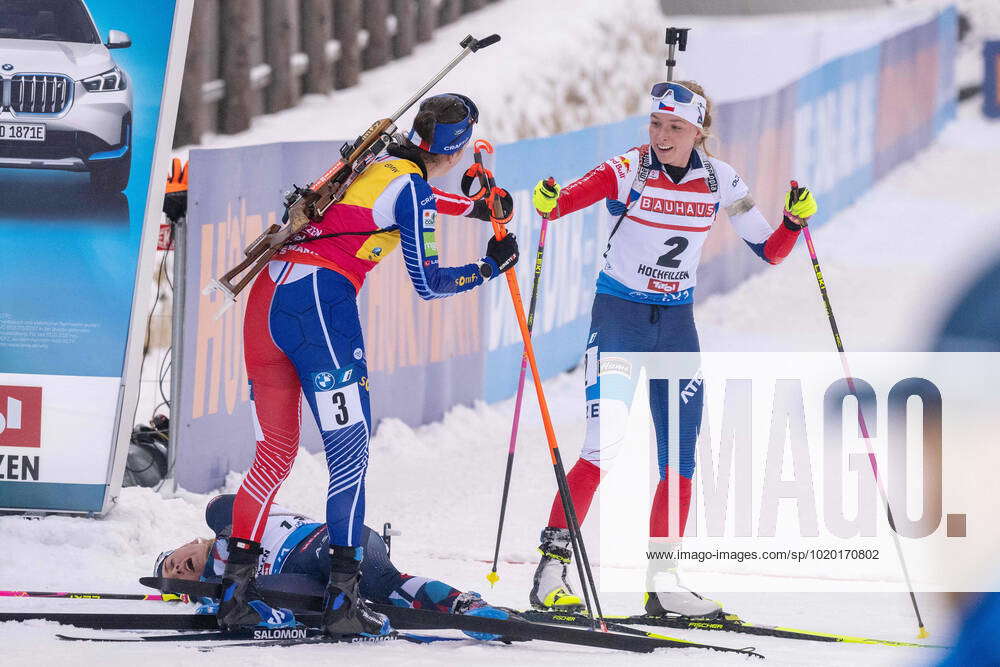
{"x":706,"y":124}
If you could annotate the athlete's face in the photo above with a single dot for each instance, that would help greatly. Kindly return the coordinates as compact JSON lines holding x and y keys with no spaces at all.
{"x":672,"y":138}
{"x":188,"y":561}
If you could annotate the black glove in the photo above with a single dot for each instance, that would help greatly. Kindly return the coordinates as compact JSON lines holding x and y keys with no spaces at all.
{"x":175,"y":205}
{"x":175,"y":199}
{"x":481,"y":207}
{"x":500,"y":256}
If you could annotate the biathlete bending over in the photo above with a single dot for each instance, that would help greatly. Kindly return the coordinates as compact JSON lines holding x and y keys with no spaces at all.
{"x":667,"y":194}
{"x":293,"y":544}
{"x":302,"y":335}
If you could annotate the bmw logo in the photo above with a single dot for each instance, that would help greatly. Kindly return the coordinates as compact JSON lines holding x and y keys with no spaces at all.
{"x":324,"y":381}
{"x":7,"y":67}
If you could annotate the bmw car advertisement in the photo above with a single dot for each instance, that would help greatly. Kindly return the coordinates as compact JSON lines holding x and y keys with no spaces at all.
{"x":67,"y":103}
{"x":88,"y":99}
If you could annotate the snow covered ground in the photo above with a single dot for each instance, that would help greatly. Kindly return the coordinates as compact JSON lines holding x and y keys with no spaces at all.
{"x":439,"y":483}
{"x":892,"y":262}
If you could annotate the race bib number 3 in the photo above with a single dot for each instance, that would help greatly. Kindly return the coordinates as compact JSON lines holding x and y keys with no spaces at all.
{"x":339,"y":408}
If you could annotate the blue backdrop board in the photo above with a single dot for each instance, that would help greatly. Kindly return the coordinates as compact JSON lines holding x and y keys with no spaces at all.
{"x":81,"y":206}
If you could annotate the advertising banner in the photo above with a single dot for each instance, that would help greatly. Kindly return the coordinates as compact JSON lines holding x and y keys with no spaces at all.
{"x":89,"y":92}
{"x":830,"y":129}
{"x":838,"y":129}
{"x":233,"y":196}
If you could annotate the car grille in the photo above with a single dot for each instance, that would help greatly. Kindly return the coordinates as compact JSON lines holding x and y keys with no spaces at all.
{"x":40,"y":93}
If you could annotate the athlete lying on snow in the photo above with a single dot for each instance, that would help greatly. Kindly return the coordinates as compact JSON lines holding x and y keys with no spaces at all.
{"x":294,"y":544}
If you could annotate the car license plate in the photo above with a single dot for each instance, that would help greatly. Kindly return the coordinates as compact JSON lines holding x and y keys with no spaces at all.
{"x":22,"y":132}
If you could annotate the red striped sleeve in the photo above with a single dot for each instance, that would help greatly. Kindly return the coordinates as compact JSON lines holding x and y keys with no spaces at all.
{"x":597,"y":184}
{"x":779,"y":244}
{"x":449,"y":203}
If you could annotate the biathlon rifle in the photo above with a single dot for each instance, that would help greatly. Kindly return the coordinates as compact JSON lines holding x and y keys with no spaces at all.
{"x":308,"y":204}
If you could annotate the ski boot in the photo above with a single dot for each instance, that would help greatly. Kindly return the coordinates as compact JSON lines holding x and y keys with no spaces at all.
{"x":551,"y":591}
{"x":471,"y":603}
{"x":670,"y":596}
{"x":345,"y":612}
{"x":242,"y":603}
{"x":666,"y":594}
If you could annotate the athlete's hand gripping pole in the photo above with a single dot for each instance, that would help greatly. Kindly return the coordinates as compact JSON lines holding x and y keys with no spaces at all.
{"x":493,"y":577}
{"x":306,"y":205}
{"x":795,"y":196}
{"x":583,"y":563}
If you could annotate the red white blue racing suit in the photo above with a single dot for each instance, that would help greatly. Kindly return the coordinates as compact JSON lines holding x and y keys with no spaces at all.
{"x":302,"y":335}
{"x":644,"y":301}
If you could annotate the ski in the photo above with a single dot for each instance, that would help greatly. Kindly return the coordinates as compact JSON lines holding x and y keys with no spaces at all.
{"x":118,"y":621}
{"x":521,"y":629}
{"x":265,"y":637}
{"x":322,"y":639}
{"x":584,"y":621}
{"x":403,"y":618}
{"x":723,"y":622}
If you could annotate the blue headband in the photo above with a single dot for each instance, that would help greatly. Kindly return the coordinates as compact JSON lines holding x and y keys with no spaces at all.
{"x":449,"y":137}
{"x":158,"y":566}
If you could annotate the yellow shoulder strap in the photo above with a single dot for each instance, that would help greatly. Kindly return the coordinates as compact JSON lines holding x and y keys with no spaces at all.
{"x":374,"y":180}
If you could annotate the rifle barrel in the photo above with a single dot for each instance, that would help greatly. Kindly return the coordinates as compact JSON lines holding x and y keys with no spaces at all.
{"x":437,"y":77}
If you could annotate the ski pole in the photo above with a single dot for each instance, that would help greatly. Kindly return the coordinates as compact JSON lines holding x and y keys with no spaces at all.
{"x":493,"y":577}
{"x":166,"y":597}
{"x":922,"y":631}
{"x":582,"y":563}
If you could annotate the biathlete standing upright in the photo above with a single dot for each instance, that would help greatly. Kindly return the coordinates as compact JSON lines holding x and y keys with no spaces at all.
{"x":667,"y":195}
{"x":302,"y":335}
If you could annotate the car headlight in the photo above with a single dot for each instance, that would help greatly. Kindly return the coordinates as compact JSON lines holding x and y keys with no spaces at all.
{"x":113,"y":79}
